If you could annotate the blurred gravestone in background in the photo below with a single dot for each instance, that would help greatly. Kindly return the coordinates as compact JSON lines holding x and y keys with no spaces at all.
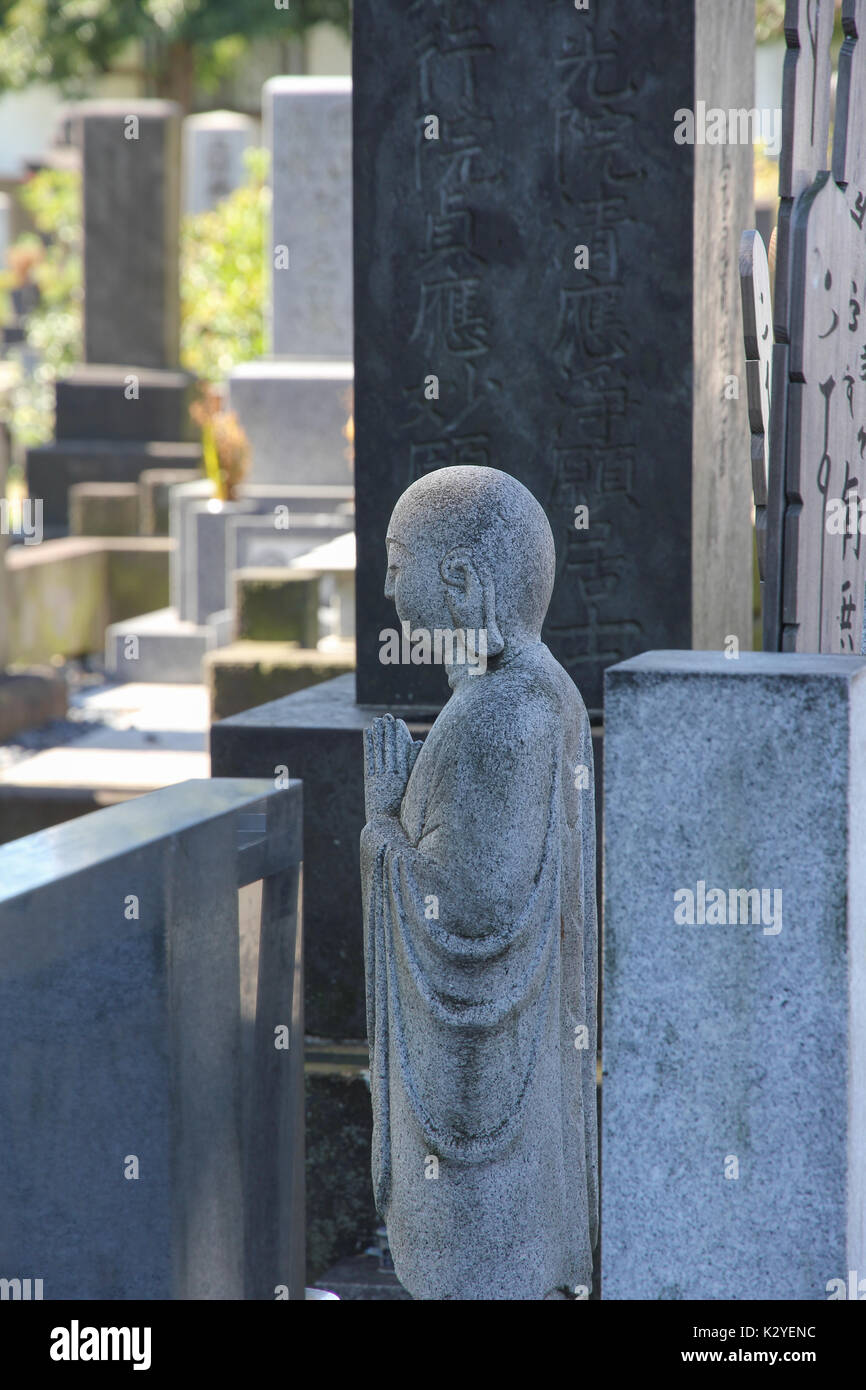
{"x":213,"y":156}
{"x":294,"y":404}
{"x":126,"y":408}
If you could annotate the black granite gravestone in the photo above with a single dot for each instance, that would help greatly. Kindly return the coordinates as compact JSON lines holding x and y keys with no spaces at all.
{"x":545,"y":281}
{"x":125,"y":408}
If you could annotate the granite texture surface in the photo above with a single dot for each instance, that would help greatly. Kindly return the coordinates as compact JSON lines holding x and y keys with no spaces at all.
{"x":734,"y":1045}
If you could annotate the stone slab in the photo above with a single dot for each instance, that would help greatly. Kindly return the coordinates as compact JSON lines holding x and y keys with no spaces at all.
{"x":255,"y":541}
{"x":202,"y":556}
{"x":130,"y":156}
{"x":103,"y":509}
{"x":308,"y":130}
{"x":165,"y":648}
{"x":53,"y":468}
{"x":132,"y":771}
{"x":334,"y":562}
{"x":600,"y":386}
{"x":295,"y":414}
{"x":734,"y":1146}
{"x":116,"y":402}
{"x":214,"y":143}
{"x":65,"y":593}
{"x":271,"y":605}
{"x":154,"y":486}
{"x":246,"y":674}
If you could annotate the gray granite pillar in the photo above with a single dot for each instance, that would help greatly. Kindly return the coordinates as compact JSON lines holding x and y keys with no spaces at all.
{"x":294,"y":404}
{"x":734,"y":1040}
{"x":130,"y":154}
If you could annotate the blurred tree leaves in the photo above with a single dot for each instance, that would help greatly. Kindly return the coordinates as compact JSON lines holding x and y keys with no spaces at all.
{"x":223,"y":281}
{"x":54,"y":325}
{"x":68,"y":42}
{"x":223,"y":287}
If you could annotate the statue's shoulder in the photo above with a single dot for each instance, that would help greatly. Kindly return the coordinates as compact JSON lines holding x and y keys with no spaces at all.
{"x":560,"y":690}
{"x":531,"y":699}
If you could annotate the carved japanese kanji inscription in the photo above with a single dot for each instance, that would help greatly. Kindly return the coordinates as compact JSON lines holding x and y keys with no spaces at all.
{"x":524,"y":242}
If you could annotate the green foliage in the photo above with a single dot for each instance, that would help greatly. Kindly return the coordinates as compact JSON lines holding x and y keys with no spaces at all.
{"x":54,"y":328}
{"x":222,"y":291}
{"x":68,"y":41}
{"x":223,"y":278}
{"x":769,"y":20}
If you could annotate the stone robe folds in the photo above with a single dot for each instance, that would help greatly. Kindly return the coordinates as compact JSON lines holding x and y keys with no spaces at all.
{"x":480,"y":942}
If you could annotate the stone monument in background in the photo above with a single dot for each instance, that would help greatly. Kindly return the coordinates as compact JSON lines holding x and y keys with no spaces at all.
{"x":294,"y":403}
{"x":125,"y":409}
{"x":214,"y":145}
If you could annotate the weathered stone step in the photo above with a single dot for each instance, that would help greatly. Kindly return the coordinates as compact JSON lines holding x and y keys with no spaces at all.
{"x":108,"y":402}
{"x":245,"y":674}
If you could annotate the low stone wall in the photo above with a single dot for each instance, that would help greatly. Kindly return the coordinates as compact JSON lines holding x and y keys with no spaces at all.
{"x":63,"y":594}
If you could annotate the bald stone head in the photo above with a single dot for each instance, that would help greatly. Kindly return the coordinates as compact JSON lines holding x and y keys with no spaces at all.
{"x":471,"y":548}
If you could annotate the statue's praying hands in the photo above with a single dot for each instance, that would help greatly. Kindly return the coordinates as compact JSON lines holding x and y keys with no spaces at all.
{"x":390,"y":756}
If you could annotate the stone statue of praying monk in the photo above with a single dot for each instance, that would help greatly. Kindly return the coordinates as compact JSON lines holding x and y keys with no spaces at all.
{"x":478,"y":871}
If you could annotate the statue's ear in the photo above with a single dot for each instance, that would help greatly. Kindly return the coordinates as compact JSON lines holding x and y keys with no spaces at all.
{"x":471,"y":596}
{"x":457,"y":568}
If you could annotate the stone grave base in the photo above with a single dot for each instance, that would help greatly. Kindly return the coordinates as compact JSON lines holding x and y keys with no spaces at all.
{"x":53,"y":468}
{"x":295,"y":412}
{"x":63,"y":594}
{"x":167,"y":648}
{"x":245,"y":674}
{"x":109,"y":402}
